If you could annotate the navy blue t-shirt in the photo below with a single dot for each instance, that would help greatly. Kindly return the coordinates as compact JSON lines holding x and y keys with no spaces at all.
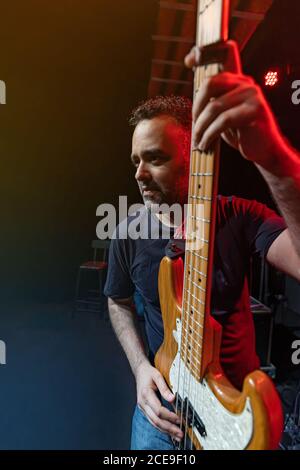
{"x":243,"y":228}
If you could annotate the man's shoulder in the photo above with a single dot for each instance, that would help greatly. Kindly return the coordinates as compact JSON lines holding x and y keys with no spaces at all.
{"x":239,"y":212}
{"x":229,"y":206}
{"x":233,"y":200}
{"x":238,"y":206}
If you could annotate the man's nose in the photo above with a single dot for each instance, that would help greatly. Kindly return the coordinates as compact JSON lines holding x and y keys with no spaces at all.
{"x":142,"y":172}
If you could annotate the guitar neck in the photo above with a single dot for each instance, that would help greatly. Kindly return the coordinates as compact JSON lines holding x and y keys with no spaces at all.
{"x":197,"y":342}
{"x":212,"y":22}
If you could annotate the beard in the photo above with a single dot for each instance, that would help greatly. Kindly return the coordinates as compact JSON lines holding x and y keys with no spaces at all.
{"x":157,"y":196}
{"x":152,"y":201}
{"x":159,"y":203}
{"x":157,"y":199}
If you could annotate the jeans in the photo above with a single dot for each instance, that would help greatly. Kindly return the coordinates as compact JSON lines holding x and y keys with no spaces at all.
{"x":144,"y":436}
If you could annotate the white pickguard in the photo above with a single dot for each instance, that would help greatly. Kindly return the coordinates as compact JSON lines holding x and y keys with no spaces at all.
{"x":225,"y":430}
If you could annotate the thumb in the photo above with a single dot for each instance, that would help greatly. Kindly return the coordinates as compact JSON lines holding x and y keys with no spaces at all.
{"x":225,"y":53}
{"x":163,"y":388}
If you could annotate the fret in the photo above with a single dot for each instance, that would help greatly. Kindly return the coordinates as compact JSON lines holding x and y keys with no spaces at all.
{"x":198,"y":287}
{"x":202,"y":240}
{"x":197,"y":282}
{"x":210,"y":30}
{"x":190,"y":358}
{"x":201,"y":219}
{"x":197,"y":346}
{"x":188,"y":319}
{"x":187,"y":354}
{"x":200,"y":228}
{"x":201,"y":198}
{"x":202,"y":174}
{"x":194,"y":333}
{"x":192,"y":237}
{"x":194,"y":370}
{"x":193,"y":306}
{"x":205,"y":6}
{"x":185,"y":320}
{"x":196,"y":298}
{"x":197,"y":271}
{"x":194,"y":244}
{"x":197,"y":255}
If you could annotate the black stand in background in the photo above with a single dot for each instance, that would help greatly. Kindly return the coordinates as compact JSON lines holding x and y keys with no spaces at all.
{"x":277,"y":323}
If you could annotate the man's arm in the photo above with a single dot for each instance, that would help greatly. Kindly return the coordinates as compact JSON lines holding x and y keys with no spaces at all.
{"x":284,"y":183}
{"x":282,"y":255}
{"x":232,"y":105}
{"x":125,"y":325}
{"x":148,"y":378}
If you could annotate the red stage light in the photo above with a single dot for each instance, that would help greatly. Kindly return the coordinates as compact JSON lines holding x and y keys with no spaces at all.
{"x":271,"y":78}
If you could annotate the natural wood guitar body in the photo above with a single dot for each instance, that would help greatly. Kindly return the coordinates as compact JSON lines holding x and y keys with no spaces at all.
{"x":258,"y":389}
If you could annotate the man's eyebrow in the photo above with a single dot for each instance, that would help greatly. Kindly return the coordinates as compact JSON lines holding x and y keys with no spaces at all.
{"x":151,"y":153}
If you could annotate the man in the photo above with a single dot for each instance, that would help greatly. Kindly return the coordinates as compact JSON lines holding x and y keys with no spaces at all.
{"x":230,"y":105}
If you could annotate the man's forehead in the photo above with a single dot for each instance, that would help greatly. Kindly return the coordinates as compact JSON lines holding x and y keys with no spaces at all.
{"x":158,"y":128}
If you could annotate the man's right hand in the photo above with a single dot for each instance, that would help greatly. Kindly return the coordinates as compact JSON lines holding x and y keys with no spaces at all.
{"x":149,"y":380}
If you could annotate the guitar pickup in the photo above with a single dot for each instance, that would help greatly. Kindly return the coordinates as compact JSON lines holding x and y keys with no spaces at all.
{"x":191,"y":418}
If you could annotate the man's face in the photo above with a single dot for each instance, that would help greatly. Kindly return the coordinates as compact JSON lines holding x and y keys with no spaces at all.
{"x":160,"y":154}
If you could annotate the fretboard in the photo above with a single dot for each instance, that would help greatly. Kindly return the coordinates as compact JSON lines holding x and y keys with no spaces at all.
{"x":211,"y":28}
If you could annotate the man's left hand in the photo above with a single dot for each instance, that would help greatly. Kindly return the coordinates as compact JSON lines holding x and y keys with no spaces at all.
{"x":233,"y":106}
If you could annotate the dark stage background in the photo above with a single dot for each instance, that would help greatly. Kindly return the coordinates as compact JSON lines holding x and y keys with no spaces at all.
{"x":73,"y":70}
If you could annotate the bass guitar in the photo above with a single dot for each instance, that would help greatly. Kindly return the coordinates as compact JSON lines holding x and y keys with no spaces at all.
{"x":213,"y":413}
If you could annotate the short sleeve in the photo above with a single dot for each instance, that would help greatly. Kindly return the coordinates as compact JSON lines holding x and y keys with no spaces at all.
{"x":261,"y":226}
{"x":118,"y":284}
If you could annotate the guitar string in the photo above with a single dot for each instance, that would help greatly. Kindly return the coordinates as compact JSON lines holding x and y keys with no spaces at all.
{"x":202,"y":167}
{"x":201,"y":159}
{"x":187,"y":280}
{"x":189,"y":327}
{"x":190,"y":309}
{"x":190,"y":337}
{"x":196,"y":164}
{"x":200,"y":4}
{"x":200,"y":265}
{"x":188,"y":324}
{"x":201,"y":164}
{"x":196,"y":395}
{"x":185,"y":321}
{"x":193,"y":329}
{"x":207,"y":165}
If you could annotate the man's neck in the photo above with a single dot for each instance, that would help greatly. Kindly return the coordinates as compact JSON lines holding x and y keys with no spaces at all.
{"x":167,"y":220}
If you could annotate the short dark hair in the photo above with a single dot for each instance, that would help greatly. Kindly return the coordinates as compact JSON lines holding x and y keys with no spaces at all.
{"x":178,"y":107}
